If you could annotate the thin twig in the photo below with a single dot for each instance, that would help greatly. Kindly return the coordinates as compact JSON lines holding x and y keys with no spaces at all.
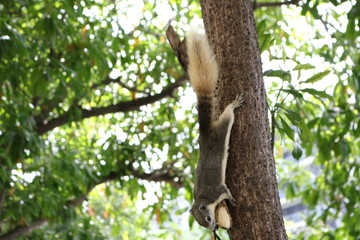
{"x":274,"y":4}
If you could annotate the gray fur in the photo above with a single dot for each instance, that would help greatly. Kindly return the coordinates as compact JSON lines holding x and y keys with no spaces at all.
{"x":210,"y":188}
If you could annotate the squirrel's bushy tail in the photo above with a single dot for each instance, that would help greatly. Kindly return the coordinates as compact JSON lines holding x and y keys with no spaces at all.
{"x":202,"y":68}
{"x":203,"y":74}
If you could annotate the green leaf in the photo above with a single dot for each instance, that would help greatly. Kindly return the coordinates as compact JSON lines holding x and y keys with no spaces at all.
{"x":306,"y":66}
{"x":283,"y":53}
{"x":266,"y":41}
{"x":294,"y":92}
{"x":318,"y":76}
{"x":316,"y":93}
{"x":290,"y":191}
{"x":191,"y":221}
{"x":293,"y":116}
{"x":305,"y":134}
{"x":261,"y":26}
{"x":309,"y":220}
{"x":284,"y":75}
{"x":350,"y":30}
{"x":287,"y":129}
{"x":314,"y":11}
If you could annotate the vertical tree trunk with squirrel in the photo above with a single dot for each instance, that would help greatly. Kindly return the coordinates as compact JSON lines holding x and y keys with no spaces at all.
{"x":251,"y":174}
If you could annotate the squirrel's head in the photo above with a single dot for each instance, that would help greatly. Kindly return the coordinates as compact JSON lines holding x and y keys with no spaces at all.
{"x":204,"y":215}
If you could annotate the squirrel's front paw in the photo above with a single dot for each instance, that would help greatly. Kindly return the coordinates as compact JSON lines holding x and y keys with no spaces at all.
{"x":232,"y":202}
{"x":238,"y":101}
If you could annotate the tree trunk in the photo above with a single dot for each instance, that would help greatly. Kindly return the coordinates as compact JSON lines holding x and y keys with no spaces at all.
{"x":251,"y":174}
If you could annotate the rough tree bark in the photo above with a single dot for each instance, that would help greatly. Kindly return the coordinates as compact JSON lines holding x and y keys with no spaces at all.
{"x":251,"y":174}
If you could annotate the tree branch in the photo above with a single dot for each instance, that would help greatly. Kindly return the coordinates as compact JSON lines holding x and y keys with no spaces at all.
{"x":21,"y":231}
{"x":44,"y":126}
{"x":274,"y":4}
{"x":109,"y":80}
{"x":2,"y":197}
{"x":12,"y":13}
{"x":156,"y":176}
{"x":159,"y":176}
{"x":106,"y":81}
{"x":178,"y":46}
{"x":131,"y":89}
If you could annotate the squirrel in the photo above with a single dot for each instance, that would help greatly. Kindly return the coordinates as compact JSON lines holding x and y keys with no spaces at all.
{"x":210,"y":188}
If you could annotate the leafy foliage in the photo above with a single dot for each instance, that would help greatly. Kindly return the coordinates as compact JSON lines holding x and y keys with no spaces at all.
{"x":315,"y":110}
{"x":95,"y":133}
{"x":63,"y":62}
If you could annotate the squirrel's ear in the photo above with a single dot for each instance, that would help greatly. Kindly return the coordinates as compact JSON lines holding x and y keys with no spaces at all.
{"x":191,"y":212}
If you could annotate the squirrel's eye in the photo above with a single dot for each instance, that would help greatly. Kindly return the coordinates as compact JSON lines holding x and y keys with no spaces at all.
{"x":208,"y":219}
{"x":202,"y":207}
